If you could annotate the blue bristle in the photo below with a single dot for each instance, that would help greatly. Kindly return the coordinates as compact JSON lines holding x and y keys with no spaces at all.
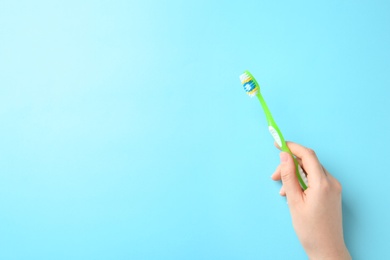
{"x":249,"y":86}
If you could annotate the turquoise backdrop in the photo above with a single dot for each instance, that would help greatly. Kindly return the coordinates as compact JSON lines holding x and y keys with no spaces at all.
{"x":125,"y":132}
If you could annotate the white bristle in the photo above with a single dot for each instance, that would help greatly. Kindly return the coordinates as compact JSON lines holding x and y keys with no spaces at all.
{"x":244,"y":77}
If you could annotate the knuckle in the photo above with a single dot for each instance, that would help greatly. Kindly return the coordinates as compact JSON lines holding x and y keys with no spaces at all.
{"x":285,"y":176}
{"x":325,"y":187}
{"x":338,"y":186}
{"x":332,"y":186}
{"x":311,"y":152}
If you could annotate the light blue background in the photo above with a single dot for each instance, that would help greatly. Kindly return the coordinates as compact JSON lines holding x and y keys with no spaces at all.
{"x":125,"y":132}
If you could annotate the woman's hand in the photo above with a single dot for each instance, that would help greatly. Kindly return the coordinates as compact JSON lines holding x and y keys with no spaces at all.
{"x":316,"y":212}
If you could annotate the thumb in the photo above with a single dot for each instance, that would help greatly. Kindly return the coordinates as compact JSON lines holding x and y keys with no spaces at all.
{"x":289,"y":179}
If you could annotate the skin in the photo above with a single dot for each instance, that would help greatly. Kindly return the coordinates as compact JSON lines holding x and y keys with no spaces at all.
{"x":316,"y":212}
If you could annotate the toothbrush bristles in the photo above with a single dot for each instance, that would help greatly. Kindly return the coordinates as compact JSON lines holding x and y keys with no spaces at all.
{"x":249,"y":84}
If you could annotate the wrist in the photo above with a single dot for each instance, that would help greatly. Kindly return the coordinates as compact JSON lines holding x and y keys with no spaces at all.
{"x":336,"y":254}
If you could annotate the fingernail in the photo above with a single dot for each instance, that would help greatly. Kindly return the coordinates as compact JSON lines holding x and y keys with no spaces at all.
{"x":283,"y":157}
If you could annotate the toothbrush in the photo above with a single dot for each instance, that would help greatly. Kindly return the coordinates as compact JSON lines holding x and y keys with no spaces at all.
{"x":252,"y":88}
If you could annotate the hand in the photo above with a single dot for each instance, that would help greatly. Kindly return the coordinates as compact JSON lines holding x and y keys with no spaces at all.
{"x":316,"y":212}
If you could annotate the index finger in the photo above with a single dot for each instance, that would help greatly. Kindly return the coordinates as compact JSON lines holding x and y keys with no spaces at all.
{"x":310,"y":162}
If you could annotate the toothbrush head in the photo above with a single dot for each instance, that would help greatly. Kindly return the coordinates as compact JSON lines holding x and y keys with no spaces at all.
{"x":249,"y":83}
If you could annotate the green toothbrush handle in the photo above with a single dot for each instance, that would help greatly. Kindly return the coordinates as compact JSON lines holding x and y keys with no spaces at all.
{"x":278,"y":137}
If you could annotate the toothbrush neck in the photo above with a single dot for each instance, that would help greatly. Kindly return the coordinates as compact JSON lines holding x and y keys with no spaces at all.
{"x":266,"y":110}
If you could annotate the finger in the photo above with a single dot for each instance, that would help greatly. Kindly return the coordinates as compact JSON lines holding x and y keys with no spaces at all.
{"x":276,"y":175}
{"x":289,"y":179}
{"x":278,"y":147}
{"x":310,"y":162}
{"x":282,"y":192}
